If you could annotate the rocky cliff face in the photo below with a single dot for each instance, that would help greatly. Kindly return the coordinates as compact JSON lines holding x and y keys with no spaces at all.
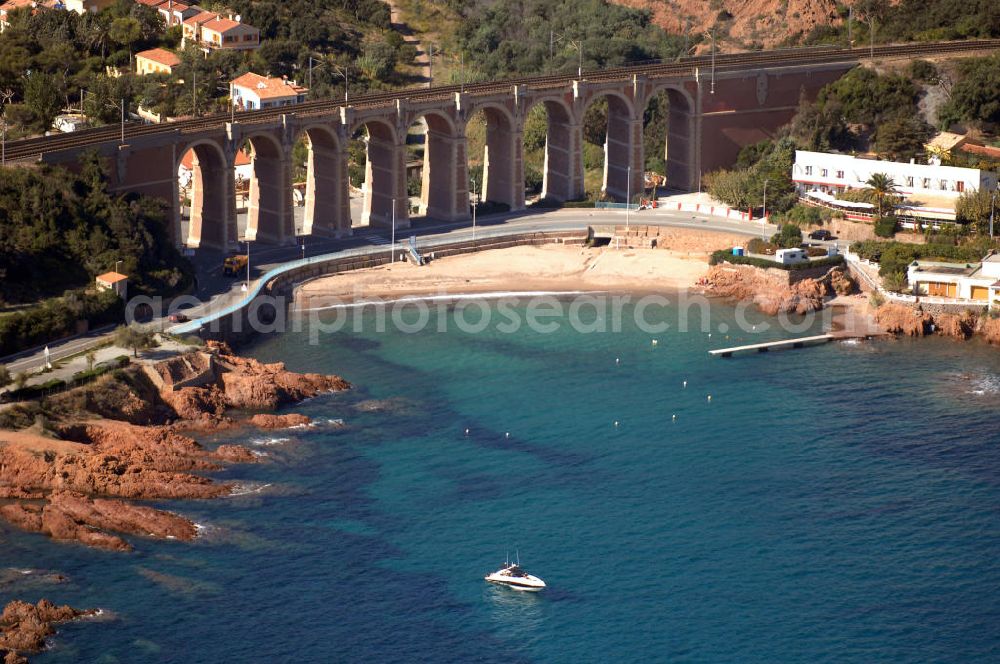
{"x":745,"y":23}
{"x":84,"y":467}
{"x":770,"y":291}
{"x":911,"y":321}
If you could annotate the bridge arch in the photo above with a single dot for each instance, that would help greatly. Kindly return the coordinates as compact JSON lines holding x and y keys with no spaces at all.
{"x":210,"y":190}
{"x":384,"y":175}
{"x":269,"y":206}
{"x":503,"y":170}
{"x":562,"y":168}
{"x":444,"y":170}
{"x":622,"y":132}
{"x":680,"y":141}
{"x":326,"y":197}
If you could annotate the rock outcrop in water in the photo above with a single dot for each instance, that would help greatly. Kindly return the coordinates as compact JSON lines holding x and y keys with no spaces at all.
{"x":69,"y":477}
{"x":770,"y":290}
{"x":24,"y":627}
{"x":913,"y":321}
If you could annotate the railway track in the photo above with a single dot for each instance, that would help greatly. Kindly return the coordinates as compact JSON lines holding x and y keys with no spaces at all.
{"x":33,"y":148}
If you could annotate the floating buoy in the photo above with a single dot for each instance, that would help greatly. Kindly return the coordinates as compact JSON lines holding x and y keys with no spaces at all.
{"x":673,"y":418}
{"x":709,"y":397}
{"x":466,"y":432}
{"x":655,"y":342}
{"x":616,"y":422}
{"x":685,"y":383}
{"x":709,"y":335}
{"x":618,"y":360}
{"x":507,"y":435}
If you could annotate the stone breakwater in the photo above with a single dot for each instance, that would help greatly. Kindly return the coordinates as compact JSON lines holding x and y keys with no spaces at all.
{"x":93,"y":449}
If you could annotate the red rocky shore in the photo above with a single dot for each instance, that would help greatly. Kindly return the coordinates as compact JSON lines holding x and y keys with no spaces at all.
{"x":90,"y":451}
{"x":24,"y":627}
{"x":71,"y":474}
{"x":912,"y":321}
{"x":771,"y":291}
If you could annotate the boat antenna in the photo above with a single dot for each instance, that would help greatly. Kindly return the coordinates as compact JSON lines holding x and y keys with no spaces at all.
{"x":517,"y":553}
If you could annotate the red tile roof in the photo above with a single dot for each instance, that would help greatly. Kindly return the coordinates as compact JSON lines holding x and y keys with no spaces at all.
{"x":222,"y":25}
{"x":160,"y":55}
{"x":268,"y":88}
{"x":984,"y":150}
{"x":111,"y":277}
{"x":201,"y":18}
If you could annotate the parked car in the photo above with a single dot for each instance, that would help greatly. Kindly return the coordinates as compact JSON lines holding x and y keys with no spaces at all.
{"x":821,"y":235}
{"x":179,"y":318}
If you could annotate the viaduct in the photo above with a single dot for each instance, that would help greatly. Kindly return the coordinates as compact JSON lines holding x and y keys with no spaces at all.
{"x":716,"y":106}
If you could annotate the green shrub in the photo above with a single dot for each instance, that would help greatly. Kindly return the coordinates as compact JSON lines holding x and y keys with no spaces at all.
{"x":788,"y":236}
{"x":885,"y":226}
{"x":804,"y":215}
{"x":56,"y":318}
{"x":726,"y":256}
{"x":4,"y":376}
{"x":896,"y":256}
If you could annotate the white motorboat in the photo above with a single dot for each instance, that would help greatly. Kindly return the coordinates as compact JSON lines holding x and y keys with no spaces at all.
{"x":513,"y":576}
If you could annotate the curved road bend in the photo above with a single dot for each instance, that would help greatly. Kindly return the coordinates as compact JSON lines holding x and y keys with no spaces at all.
{"x":216,"y":292}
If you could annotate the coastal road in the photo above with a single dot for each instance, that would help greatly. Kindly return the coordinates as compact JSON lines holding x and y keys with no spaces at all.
{"x":215,"y":291}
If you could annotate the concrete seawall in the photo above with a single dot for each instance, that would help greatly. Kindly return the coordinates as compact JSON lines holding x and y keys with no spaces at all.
{"x":265,"y":311}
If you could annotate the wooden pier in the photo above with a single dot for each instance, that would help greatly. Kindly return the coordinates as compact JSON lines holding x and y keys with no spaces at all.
{"x":775,"y":345}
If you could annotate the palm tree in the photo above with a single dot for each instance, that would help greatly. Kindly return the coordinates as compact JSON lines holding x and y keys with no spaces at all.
{"x":882,"y":186}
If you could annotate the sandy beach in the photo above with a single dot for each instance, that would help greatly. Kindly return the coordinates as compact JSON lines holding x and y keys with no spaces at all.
{"x":517,"y":269}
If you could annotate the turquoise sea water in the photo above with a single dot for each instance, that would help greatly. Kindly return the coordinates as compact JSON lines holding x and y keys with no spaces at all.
{"x":839,"y":503}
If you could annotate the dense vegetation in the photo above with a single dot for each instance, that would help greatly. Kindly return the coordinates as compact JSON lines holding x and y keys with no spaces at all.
{"x":895,"y":257}
{"x":864,"y":110}
{"x":975,"y":97}
{"x":48,"y":57}
{"x":743,"y":186}
{"x":59,"y":230}
{"x":531,"y":36}
{"x":911,"y":20}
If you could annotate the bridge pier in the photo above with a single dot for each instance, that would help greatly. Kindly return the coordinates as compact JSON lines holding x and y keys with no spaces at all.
{"x":443,"y":194}
{"x":213,"y":201}
{"x":623,"y":156}
{"x":562,"y":177}
{"x":327,"y":197}
{"x":503,"y":168}
{"x":270,"y":213}
{"x":385,"y":181}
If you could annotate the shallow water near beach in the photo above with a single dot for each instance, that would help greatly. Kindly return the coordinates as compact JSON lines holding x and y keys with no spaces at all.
{"x":836,"y":503}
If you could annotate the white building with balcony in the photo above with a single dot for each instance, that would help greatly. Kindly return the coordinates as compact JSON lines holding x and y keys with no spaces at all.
{"x":932,"y":185}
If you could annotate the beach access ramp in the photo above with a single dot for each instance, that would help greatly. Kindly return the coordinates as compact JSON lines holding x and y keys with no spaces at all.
{"x":411,"y":251}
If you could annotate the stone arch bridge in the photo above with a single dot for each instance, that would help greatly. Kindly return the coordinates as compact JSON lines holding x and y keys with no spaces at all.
{"x":714,"y":110}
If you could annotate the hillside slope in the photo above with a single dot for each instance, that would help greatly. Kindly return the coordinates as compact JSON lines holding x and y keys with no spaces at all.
{"x":762,"y":23}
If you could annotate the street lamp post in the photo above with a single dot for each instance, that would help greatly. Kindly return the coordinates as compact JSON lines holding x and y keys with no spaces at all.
{"x":763,"y":214}
{"x":711,"y":36}
{"x":993,"y":208}
{"x":343,"y":72}
{"x":247,"y":240}
{"x":6,"y":95}
{"x":578,"y":44}
{"x":474,"y":206}
{"x":628,"y":196}
{"x":430,"y":65}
